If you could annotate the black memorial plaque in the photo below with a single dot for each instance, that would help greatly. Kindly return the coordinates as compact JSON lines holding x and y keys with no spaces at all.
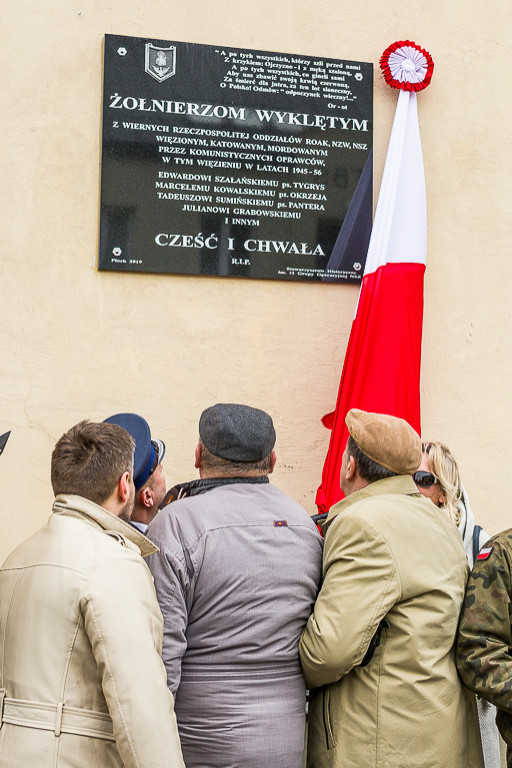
{"x":233,"y":162}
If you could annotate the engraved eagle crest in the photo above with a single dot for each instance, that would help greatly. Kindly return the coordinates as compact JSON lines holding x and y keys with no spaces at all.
{"x":160,"y":62}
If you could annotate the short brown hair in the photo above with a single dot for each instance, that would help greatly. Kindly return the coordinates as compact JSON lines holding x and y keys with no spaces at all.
{"x":90,"y":458}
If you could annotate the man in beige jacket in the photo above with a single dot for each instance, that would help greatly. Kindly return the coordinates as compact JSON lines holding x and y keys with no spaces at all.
{"x":81,"y":678}
{"x":379,"y":647}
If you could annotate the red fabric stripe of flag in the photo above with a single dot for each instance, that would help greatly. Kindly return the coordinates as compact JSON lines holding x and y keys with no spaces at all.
{"x":381,"y":371}
{"x":383,"y":375}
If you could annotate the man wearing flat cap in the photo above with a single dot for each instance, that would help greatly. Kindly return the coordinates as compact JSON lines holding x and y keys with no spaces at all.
{"x":379,"y":648}
{"x":236,"y":578}
{"x":148,"y":474}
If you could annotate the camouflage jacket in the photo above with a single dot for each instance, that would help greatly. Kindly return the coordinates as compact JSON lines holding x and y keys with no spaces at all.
{"x":484,"y":644}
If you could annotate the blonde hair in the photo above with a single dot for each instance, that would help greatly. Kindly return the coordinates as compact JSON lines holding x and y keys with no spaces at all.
{"x":442,"y":464}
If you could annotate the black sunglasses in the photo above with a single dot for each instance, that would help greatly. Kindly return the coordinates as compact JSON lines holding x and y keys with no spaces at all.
{"x":424,"y":479}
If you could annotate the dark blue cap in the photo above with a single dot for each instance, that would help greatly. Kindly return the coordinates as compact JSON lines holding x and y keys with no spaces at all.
{"x":148,"y":453}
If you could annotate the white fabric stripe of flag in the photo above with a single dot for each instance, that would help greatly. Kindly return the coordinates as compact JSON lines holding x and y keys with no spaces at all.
{"x":399,"y":233}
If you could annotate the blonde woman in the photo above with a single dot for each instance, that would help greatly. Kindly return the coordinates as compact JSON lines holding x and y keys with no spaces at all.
{"x":438,"y":478}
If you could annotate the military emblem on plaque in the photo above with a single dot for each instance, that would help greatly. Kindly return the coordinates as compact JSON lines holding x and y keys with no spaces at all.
{"x":160,"y":62}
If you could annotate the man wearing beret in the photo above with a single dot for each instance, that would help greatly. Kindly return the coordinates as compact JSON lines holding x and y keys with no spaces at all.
{"x":236,"y":578}
{"x":379,"y":648}
{"x":148,"y":474}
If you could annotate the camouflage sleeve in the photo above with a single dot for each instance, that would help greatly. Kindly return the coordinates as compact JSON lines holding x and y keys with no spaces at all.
{"x":484,"y":643}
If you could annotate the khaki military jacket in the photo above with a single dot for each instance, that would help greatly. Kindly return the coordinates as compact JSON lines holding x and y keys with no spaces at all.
{"x":484,"y":645}
{"x":389,"y":554}
{"x":81,"y":678}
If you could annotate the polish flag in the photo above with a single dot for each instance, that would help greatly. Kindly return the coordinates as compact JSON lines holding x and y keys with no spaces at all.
{"x":381,"y":372}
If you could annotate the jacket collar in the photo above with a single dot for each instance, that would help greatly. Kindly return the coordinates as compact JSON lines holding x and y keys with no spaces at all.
{"x":204,"y":484}
{"x":78,"y":506}
{"x":401,"y":484}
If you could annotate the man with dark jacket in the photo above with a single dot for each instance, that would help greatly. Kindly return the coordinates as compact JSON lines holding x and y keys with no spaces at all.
{"x":236,"y":577}
{"x":379,"y":647}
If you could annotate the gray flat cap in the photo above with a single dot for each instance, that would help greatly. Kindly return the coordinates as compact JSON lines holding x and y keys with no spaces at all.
{"x":237,"y":432}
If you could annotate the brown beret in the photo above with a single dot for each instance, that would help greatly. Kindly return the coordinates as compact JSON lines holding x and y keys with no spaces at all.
{"x":388,"y":440}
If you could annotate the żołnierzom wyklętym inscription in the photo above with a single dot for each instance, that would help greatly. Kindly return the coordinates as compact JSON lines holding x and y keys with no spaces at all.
{"x":232,"y":162}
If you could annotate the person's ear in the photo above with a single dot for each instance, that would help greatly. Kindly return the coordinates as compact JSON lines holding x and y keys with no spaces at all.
{"x":198,"y":456}
{"x":273,"y":459}
{"x":124,"y":487}
{"x":351,"y":468}
{"x":147,"y":498}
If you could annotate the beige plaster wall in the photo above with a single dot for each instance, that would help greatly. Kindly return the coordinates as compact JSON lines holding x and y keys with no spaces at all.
{"x":76,"y":343}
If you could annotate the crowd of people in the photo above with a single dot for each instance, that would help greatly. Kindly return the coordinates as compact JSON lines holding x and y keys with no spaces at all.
{"x":213,"y":625}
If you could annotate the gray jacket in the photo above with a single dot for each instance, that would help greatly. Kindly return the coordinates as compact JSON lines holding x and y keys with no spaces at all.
{"x":236,"y":578}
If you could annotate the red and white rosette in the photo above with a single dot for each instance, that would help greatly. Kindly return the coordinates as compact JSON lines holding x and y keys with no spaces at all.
{"x":407,"y":66}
